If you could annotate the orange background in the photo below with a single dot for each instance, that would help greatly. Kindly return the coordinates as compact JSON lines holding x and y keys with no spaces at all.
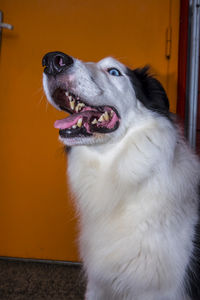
{"x":37,"y":219}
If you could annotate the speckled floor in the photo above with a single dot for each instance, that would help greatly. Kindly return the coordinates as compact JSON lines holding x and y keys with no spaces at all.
{"x":40,"y":281}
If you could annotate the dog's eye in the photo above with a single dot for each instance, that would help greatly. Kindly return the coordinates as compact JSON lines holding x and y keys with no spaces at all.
{"x":114,"y":72}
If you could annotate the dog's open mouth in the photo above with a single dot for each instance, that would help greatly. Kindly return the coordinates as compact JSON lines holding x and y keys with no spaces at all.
{"x":84,"y":119}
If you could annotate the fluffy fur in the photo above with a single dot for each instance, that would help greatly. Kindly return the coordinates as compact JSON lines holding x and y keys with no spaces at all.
{"x":136,"y":187}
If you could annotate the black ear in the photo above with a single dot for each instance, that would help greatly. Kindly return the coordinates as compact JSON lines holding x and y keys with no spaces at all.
{"x":149,"y":90}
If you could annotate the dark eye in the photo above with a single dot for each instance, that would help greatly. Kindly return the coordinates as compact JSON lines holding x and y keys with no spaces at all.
{"x":114,"y":72}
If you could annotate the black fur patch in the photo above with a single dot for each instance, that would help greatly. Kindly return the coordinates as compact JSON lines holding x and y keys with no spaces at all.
{"x":149,"y":90}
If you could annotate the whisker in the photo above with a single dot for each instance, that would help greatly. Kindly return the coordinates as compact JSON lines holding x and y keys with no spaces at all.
{"x":47,"y":105}
{"x":38,"y":91}
{"x":41,"y":99}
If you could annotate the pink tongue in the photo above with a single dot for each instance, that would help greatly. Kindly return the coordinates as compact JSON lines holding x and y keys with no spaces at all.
{"x":66,"y":123}
{"x":72,"y":119}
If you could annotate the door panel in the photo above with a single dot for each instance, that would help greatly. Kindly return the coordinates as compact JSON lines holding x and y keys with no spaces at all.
{"x":37,"y":218}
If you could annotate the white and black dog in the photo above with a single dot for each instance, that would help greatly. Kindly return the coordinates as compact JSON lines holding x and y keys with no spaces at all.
{"x":134,"y":178}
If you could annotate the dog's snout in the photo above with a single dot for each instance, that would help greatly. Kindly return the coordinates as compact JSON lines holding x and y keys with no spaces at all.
{"x":56,"y":62}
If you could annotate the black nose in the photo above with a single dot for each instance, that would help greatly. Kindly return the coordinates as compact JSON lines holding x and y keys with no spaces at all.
{"x":56,"y":62}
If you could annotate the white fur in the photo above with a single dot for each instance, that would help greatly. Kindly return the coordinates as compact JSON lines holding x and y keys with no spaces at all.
{"x":136,"y":192}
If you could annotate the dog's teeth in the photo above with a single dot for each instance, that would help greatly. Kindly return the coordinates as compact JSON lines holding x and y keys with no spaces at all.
{"x":101,"y":119}
{"x":106,"y":116}
{"x":79,"y":106}
{"x":70,"y":98}
{"x":67,"y":94}
{"x":72,"y":104}
{"x":79,"y":123}
{"x":94,"y":121}
{"x":112,"y":113}
{"x":74,"y":126}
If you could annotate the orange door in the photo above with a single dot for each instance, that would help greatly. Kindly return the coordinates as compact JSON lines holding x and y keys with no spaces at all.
{"x":37,"y":219}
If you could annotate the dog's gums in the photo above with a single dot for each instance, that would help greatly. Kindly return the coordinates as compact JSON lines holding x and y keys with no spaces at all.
{"x":84,"y":119}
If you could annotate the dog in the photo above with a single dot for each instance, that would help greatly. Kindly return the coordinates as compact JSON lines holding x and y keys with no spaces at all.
{"x":134,"y":177}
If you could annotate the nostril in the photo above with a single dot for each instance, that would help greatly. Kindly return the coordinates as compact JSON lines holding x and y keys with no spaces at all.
{"x":59,"y":61}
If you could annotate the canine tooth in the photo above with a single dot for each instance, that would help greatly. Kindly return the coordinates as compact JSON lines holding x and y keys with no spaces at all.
{"x":74,"y":126}
{"x":101,"y":119}
{"x":106,"y":116}
{"x":67,"y":94}
{"x":82,"y":105}
{"x":112,"y":113}
{"x":70,"y":98}
{"x":72,"y":104}
{"x":79,"y":123}
{"x":94,"y":121}
{"x":79,"y":106}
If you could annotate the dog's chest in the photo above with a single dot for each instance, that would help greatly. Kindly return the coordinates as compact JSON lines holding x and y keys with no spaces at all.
{"x":116,"y":230}
{"x":93,"y":176}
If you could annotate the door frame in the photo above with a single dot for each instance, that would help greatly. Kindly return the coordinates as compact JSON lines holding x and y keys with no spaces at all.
{"x":182,"y":59}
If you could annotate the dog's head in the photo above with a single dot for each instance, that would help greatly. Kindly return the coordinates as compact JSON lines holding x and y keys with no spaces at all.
{"x":103,"y":99}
